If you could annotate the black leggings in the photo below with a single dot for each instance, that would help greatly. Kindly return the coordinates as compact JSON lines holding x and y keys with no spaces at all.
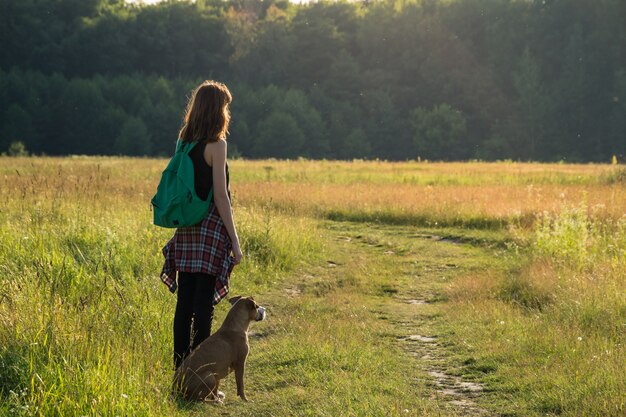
{"x":194,"y":301}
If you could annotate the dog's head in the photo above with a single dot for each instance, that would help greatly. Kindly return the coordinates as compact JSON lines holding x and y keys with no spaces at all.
{"x":255,"y":311}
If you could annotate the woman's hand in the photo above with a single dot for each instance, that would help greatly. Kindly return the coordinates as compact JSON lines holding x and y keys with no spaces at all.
{"x":237,"y":254}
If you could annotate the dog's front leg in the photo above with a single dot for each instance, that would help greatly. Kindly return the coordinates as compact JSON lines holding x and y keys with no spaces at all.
{"x":239,"y":371}
{"x":214,"y":393}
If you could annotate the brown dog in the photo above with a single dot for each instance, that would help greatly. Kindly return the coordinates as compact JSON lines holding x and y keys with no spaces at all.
{"x":198,"y":376}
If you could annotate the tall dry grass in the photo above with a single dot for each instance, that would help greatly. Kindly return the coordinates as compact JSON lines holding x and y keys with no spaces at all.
{"x":439,"y":194}
{"x":80,"y":294}
{"x":555,"y":326}
{"x":85,"y":323}
{"x":407,"y":192}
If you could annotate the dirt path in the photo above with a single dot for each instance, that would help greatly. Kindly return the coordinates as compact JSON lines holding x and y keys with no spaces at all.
{"x":399,"y":277}
{"x":430,"y":357}
{"x":419,"y":266}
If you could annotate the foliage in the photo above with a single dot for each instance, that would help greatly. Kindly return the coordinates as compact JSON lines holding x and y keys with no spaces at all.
{"x":133,"y":139}
{"x":575,"y":238}
{"x":532,"y":107}
{"x":532,"y":80}
{"x":17,"y":149}
{"x":439,"y":133}
{"x":279,"y":135}
{"x":618,"y":176}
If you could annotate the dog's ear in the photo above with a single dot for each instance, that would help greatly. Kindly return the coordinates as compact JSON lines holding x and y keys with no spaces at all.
{"x":233,"y":300}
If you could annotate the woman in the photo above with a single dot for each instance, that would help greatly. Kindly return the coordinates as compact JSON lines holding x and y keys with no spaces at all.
{"x":202,"y":253}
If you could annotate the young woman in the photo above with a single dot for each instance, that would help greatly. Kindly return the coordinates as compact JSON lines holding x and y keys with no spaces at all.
{"x":202,"y":253}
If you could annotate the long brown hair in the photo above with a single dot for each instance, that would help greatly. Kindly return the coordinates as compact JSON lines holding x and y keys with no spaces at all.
{"x":207,"y":116}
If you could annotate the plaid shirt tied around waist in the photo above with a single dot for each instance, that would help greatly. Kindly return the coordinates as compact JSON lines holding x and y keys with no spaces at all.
{"x":203,"y":248}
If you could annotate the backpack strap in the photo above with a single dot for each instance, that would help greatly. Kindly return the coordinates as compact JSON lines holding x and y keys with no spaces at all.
{"x":184,"y":147}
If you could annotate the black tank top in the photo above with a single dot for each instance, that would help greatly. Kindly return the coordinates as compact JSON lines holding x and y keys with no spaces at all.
{"x":203,"y":172}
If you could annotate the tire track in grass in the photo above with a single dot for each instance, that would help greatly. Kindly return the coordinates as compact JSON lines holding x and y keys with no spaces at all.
{"x":459,"y":393}
{"x":399,"y":277}
{"x":419,"y":266}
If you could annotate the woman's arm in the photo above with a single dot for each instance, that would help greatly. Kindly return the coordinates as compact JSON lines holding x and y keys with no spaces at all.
{"x":215,"y":155}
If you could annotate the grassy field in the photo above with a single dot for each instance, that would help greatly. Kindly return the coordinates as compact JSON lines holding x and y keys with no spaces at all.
{"x":392,"y":288}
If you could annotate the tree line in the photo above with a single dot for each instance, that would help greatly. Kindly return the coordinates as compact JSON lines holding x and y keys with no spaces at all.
{"x":391,"y":79}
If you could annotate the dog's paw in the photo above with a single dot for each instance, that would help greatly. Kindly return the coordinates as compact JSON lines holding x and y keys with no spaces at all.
{"x":214,"y":400}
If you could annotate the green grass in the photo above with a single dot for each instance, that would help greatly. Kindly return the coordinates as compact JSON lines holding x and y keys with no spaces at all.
{"x":554,"y":323}
{"x":532,"y":307}
{"x":303,"y":171}
{"x":86,"y":322}
{"x":392,"y":217}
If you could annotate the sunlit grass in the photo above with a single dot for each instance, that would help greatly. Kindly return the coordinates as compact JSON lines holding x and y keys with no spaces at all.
{"x":555,"y":326}
{"x":472,"y":194}
{"x":411,"y":192}
{"x":85,"y":324}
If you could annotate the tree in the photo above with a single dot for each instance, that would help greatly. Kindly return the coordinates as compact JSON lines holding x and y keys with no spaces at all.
{"x":386,"y":130}
{"x":571,"y":92}
{"x":309,"y":120}
{"x":76,"y":119}
{"x":133,"y":139}
{"x":349,"y":75}
{"x":316,"y":42}
{"x":17,"y":149}
{"x":532,"y":109}
{"x":617,"y":135}
{"x":439,"y":133}
{"x":17,"y":125}
{"x":279,"y":136}
{"x":356,"y":145}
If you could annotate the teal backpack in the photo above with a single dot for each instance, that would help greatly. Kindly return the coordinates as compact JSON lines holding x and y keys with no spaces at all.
{"x":176,"y":203}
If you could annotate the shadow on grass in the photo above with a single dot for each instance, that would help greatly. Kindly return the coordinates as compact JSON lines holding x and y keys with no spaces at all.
{"x":617,"y":176}
{"x":14,"y":370}
{"x":416,"y":219}
{"x":519,"y":291}
{"x":192,"y":405}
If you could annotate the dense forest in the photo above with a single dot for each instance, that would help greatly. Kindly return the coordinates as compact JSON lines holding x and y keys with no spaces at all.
{"x":389,"y":79}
